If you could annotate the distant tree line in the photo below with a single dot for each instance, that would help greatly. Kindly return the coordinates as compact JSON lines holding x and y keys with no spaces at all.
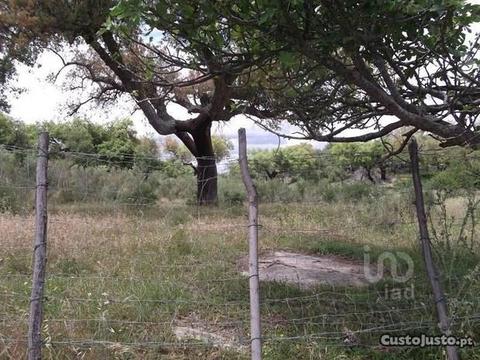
{"x":110,"y":162}
{"x":366,"y":161}
{"x":114,"y":144}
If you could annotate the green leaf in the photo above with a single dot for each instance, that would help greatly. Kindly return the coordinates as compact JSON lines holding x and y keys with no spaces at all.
{"x":287,"y":59}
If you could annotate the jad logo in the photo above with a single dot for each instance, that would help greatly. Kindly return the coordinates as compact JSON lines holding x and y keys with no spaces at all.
{"x":392,"y":261}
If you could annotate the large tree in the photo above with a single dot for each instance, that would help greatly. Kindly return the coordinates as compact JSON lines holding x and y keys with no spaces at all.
{"x":371,"y":66}
{"x":156,"y":52}
{"x":325,"y":66}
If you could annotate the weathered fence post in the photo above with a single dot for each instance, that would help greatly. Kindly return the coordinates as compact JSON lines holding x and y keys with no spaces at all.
{"x":255,"y":322}
{"x":39,"y":252}
{"x":432,"y":271}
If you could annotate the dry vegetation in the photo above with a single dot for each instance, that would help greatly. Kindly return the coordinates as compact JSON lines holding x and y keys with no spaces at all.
{"x":121,"y":278}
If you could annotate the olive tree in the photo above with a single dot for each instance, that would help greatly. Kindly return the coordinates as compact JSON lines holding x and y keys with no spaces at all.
{"x":155,"y":52}
{"x":374,"y":67}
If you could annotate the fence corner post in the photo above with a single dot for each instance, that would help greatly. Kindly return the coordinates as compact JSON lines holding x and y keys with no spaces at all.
{"x":432,"y":271}
{"x":254,"y":281}
{"x":39,"y":252}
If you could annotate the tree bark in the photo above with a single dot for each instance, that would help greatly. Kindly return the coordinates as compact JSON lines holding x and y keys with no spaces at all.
{"x":383,"y":172}
{"x":432,"y":270}
{"x":207,"y":189}
{"x":254,"y":283}
{"x":369,"y":175}
{"x":39,"y":252}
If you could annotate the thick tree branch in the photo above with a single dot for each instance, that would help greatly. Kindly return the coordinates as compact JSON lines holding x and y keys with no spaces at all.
{"x":454,"y":135}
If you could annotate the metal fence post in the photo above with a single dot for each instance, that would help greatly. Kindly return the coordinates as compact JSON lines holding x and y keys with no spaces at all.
{"x":254,"y":283}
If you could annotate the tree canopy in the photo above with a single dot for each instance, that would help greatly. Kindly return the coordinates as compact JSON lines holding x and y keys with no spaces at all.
{"x":344,"y":65}
{"x":114,"y":144}
{"x":289,"y":163}
{"x":14,"y":133}
{"x":332,"y":66}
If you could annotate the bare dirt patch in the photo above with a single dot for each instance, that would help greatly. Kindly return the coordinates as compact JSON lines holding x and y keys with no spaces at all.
{"x":224,"y":337}
{"x":307,"y":271}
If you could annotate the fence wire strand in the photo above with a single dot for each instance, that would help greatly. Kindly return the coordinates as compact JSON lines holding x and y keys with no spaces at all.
{"x":310,"y":315}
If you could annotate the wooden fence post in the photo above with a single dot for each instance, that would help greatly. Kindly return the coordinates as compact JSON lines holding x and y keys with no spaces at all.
{"x":254,"y":283}
{"x":432,"y":271}
{"x":39,"y":252}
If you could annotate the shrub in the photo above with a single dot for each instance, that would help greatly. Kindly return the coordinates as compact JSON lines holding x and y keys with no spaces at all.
{"x":142,"y":193}
{"x":357,"y":191}
{"x":182,"y":186}
{"x":233,"y":197}
{"x":277,"y":190}
{"x":231,"y":190}
{"x":10,"y":200}
{"x":329,"y":193}
{"x":17,"y":181}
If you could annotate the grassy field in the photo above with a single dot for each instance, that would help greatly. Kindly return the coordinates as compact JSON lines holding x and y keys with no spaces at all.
{"x":121,"y":278}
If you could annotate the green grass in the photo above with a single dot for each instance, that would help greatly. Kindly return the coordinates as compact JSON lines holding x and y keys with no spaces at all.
{"x":124,"y":275}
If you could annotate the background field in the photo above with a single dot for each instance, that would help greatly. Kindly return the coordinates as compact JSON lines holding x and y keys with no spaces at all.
{"x":126,"y":270}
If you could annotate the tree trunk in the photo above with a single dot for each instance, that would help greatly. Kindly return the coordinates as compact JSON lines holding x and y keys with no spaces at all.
{"x":206,"y":166}
{"x":383,"y":172}
{"x":369,"y":174}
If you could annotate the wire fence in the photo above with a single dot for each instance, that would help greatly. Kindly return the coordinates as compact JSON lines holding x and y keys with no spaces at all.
{"x":170,"y":277}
